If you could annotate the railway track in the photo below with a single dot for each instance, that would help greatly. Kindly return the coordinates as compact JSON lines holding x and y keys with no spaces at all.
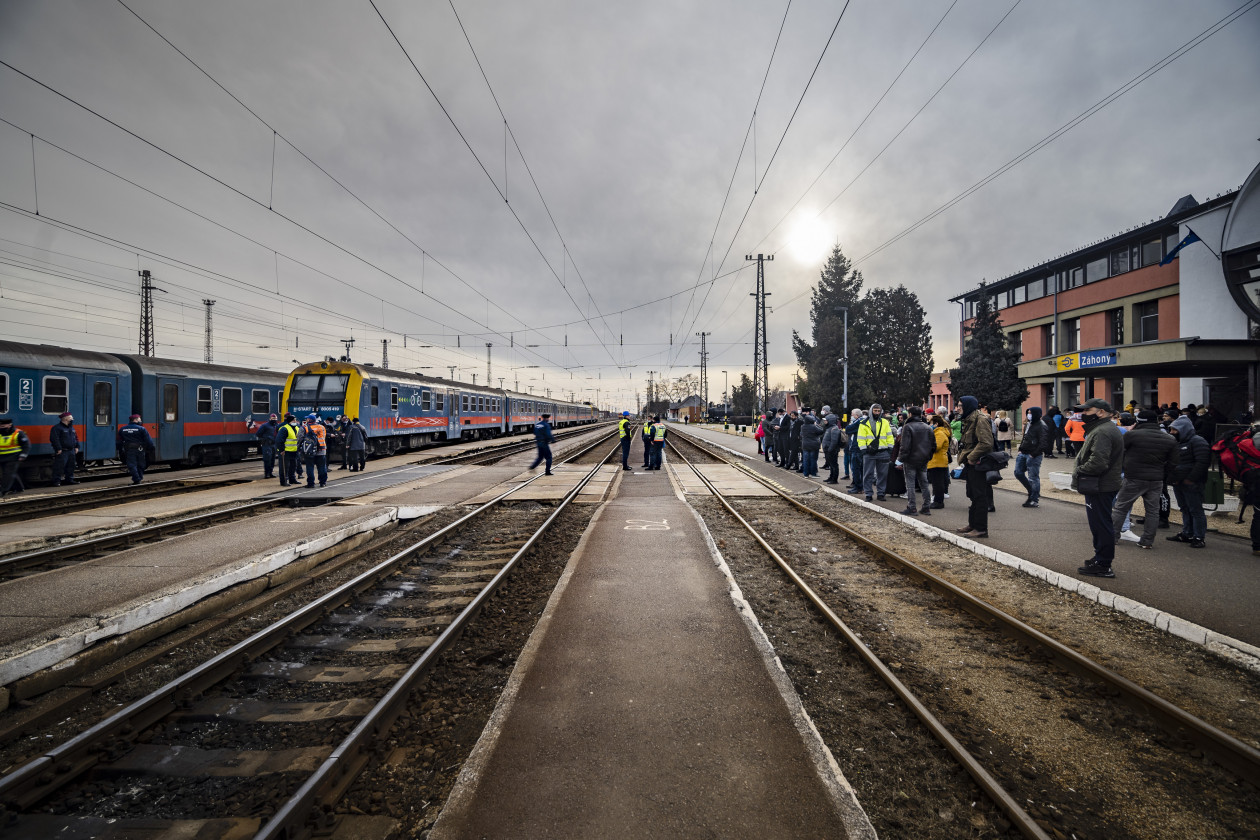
{"x":896,"y":624}
{"x":268,"y":735}
{"x":51,"y":504}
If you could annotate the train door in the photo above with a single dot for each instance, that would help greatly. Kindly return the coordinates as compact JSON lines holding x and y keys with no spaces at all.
{"x":170,"y":419}
{"x":101,"y":425}
{"x":452,"y":416}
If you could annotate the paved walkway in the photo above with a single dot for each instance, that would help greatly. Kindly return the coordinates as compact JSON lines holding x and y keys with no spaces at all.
{"x":1217,"y":587}
{"x":643,"y":707}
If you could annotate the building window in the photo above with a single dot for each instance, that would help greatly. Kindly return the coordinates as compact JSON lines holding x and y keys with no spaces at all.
{"x":1150,"y":392}
{"x":205,"y":404}
{"x":1036,"y":289}
{"x":1146,"y":316}
{"x":1120,"y":261}
{"x":232,"y":401}
{"x":260,"y":401}
{"x":1047,"y":339}
{"x":1096,"y":270}
{"x":1116,"y":391}
{"x":1017,"y":341}
{"x":4,"y":393}
{"x":1152,"y":251}
{"x":1170,"y":242}
{"x":1073,"y":393}
{"x":103,"y":404}
{"x":393,"y":398}
{"x":1115,"y":326}
{"x":56,"y":394}
{"x":1019,"y":294}
{"x":1071,"y":335}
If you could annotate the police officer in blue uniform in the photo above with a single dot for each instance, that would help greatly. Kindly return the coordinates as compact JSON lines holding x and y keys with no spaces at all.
{"x":134,"y":442}
{"x":626,"y":433}
{"x":65,"y":446}
{"x":543,"y":438}
{"x":266,"y":435}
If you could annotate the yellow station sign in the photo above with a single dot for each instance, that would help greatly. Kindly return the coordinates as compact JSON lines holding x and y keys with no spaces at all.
{"x":1072,"y":361}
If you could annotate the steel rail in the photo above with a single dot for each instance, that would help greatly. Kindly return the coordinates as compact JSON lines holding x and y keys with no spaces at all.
{"x":1225,"y":749}
{"x":68,"y":551}
{"x":54,"y":503}
{"x":39,"y":776}
{"x":301,"y":813}
{"x":1013,"y":810}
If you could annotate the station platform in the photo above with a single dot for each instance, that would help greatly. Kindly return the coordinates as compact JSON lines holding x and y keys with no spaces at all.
{"x":645,"y":705}
{"x":1216,"y":587}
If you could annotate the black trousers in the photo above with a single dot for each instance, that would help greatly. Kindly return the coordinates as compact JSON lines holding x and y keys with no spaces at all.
{"x":1098,"y":510}
{"x":980,"y":492}
{"x":625,"y":451}
{"x":939,"y":476}
{"x":358,"y":459}
{"x":8,"y":472}
{"x":832,"y":463}
{"x":289,"y":468}
{"x":647,"y":451}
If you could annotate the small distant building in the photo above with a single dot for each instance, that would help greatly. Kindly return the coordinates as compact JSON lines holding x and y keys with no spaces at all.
{"x":693,"y":408}
{"x":940,"y":394}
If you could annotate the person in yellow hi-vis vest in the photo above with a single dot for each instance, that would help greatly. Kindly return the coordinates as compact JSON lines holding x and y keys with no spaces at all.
{"x":14,"y":446}
{"x":625,"y":434}
{"x":658,"y":442}
{"x":647,"y":443}
{"x":875,"y":442}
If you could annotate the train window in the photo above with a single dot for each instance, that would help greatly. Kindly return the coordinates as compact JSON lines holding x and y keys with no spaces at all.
{"x":205,"y":404}
{"x":393,"y":399}
{"x":439,"y":401}
{"x":103,"y":404}
{"x":426,"y":400}
{"x":305,"y":388}
{"x":376,"y":395}
{"x":170,"y":402}
{"x":463,"y":402}
{"x":232,"y":401}
{"x":260,"y":402}
{"x":481,"y":403}
{"x":4,"y":393}
{"x":56,"y":394}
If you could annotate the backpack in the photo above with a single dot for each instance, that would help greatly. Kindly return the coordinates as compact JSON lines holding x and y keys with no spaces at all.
{"x":309,"y":446}
{"x":1003,"y":426}
{"x":1240,"y":460}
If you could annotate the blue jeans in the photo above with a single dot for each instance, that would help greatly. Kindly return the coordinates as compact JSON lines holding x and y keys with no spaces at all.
{"x":1190,"y":500}
{"x":809,"y":462}
{"x":1098,"y":507}
{"x":856,"y":462}
{"x":1028,"y":473}
{"x":848,"y":461}
{"x":544,"y":454}
{"x":320,"y":463}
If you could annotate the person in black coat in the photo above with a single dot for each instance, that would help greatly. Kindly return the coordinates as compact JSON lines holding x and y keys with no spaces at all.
{"x":64,"y":441}
{"x":1151,"y":458}
{"x":1032,"y":448}
{"x":1188,"y":481}
{"x":786,"y":423}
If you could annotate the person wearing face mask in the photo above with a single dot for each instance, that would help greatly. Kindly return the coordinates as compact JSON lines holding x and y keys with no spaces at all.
{"x":65,"y":446}
{"x":875,"y":441}
{"x":976,"y":442}
{"x":1032,"y":449}
{"x":1194,"y":456}
{"x":14,"y":447}
{"x":1099,"y":463}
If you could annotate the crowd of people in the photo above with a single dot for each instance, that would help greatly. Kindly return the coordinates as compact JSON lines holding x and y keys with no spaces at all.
{"x":1119,"y":457}
{"x":293,"y":445}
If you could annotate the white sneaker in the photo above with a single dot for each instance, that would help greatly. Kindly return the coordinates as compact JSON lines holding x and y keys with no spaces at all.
{"x":947,"y":495}
{"x":1129,"y":536}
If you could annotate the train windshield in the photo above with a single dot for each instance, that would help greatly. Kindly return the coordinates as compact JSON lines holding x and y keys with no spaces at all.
{"x":311,"y":388}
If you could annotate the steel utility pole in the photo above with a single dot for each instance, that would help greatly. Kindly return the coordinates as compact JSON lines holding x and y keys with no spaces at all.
{"x":385,"y":352}
{"x":146,"y":312}
{"x":209,"y":354}
{"x":489,"y":378}
{"x":761,"y":364}
{"x":844,"y":360}
{"x":451,"y":368}
{"x":650,"y":400}
{"x":704,"y":373}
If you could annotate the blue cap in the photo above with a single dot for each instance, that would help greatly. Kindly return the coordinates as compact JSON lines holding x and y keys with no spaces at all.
{"x":312,"y":417}
{"x":625,"y":414}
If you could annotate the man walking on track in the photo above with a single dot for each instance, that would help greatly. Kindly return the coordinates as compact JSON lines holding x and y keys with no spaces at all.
{"x":543,"y":438}
{"x":625,"y":434}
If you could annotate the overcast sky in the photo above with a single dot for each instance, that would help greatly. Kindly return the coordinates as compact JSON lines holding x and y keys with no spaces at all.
{"x":630,"y":117}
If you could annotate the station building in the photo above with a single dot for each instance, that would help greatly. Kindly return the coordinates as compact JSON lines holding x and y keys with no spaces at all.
{"x":1132,"y":317}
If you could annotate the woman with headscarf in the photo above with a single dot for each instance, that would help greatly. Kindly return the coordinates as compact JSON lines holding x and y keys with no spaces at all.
{"x":977,"y":442}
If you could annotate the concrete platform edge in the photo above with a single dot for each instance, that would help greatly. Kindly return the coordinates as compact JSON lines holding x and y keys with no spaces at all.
{"x":856,"y":823}
{"x":1235,"y":650}
{"x":159,"y":605}
{"x":464,"y":792}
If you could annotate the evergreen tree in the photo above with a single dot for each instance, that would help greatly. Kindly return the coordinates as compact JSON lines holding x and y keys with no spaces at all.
{"x":987,"y":367}
{"x":743,"y":397}
{"x":897,"y":355}
{"x":839,"y":284}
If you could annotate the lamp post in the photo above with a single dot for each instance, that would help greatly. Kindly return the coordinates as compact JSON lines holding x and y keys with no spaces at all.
{"x":844,"y":360}
{"x":726,"y":390}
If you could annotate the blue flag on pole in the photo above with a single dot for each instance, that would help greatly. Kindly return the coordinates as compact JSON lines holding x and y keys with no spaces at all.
{"x":1189,"y":240}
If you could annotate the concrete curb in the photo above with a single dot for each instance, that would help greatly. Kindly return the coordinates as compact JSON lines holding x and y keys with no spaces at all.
{"x":1235,"y":650}
{"x":464,"y":792}
{"x":857,"y":824}
{"x":74,"y":638}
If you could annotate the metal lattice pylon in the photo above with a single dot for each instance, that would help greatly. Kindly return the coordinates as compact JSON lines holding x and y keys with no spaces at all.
{"x":761,"y":364}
